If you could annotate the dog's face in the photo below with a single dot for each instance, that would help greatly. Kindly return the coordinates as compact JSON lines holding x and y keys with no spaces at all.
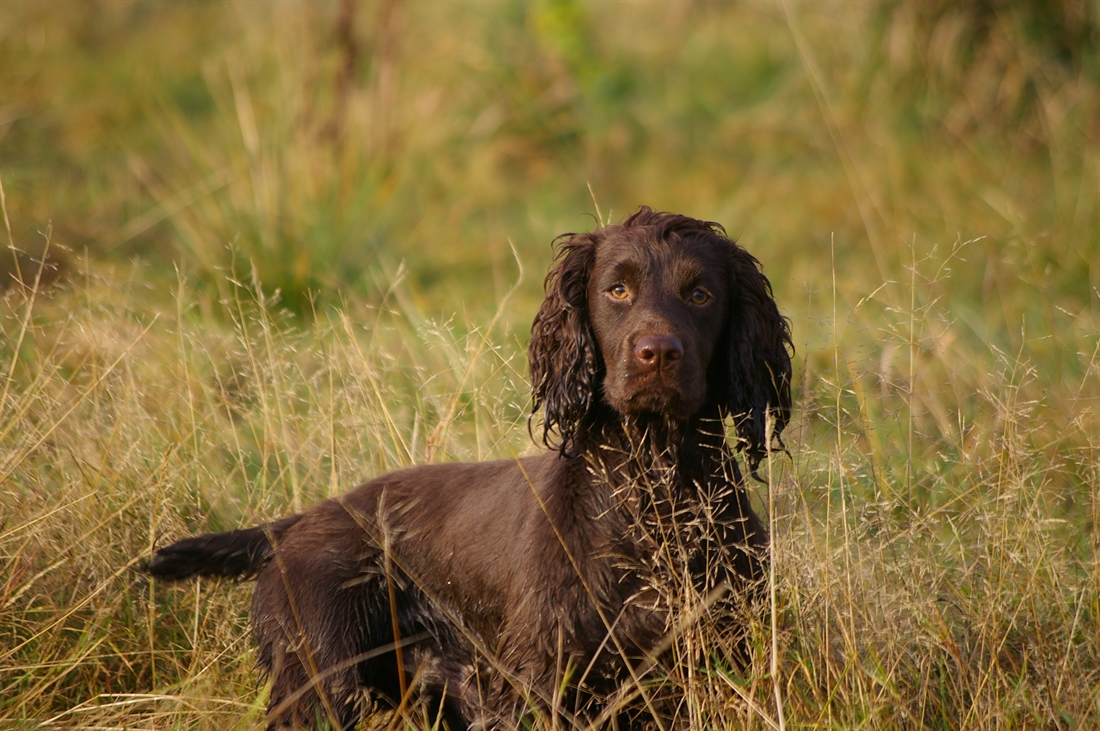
{"x":662,"y":314}
{"x":658,"y":308}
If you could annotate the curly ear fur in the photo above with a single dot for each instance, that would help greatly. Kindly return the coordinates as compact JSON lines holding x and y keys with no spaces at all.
{"x":563,"y":355}
{"x":760,"y":351}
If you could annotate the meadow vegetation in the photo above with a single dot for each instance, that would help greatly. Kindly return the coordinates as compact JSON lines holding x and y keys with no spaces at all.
{"x":261,"y":252}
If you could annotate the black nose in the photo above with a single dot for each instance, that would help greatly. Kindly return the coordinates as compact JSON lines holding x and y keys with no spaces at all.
{"x":658,"y":351}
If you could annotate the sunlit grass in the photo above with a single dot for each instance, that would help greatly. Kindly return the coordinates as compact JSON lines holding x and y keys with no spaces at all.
{"x":952,"y":588}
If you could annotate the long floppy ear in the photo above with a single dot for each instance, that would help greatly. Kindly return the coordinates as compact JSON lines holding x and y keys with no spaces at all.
{"x":760,"y":351}
{"x":563,"y":356}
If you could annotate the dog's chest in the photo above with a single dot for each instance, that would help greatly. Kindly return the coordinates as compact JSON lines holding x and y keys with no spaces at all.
{"x":641,"y":561}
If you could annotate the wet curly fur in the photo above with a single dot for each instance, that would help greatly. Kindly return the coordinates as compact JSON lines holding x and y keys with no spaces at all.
{"x":495,"y":592}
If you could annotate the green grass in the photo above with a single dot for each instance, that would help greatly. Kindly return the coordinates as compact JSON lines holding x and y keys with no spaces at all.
{"x":268,"y":279}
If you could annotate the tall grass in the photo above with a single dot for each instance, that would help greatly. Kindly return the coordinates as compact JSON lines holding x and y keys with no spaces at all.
{"x":253,"y":248}
{"x":934,"y":561}
{"x":128,"y":427}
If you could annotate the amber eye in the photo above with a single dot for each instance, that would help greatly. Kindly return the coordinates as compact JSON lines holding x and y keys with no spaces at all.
{"x":619,"y":292}
{"x":699,"y":297}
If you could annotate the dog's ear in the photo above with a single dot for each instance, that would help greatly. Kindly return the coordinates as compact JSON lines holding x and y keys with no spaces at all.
{"x":563,"y":354}
{"x":759,"y":366}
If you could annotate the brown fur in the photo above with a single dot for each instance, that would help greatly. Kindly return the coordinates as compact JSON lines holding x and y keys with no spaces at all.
{"x":499,"y":579}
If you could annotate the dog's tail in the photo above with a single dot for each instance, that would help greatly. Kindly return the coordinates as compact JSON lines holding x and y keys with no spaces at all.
{"x":238,"y":553}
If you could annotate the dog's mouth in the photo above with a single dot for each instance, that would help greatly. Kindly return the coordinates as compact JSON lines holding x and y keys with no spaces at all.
{"x":648,"y":403}
{"x":655,"y":393}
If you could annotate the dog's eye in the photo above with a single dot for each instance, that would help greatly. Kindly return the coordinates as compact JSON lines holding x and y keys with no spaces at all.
{"x":619,"y":292}
{"x":699,"y":297}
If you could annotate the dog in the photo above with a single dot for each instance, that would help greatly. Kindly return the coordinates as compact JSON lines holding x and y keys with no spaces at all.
{"x":493,"y":593}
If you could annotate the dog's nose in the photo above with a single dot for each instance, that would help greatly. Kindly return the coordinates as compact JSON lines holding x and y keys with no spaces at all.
{"x":658,"y":351}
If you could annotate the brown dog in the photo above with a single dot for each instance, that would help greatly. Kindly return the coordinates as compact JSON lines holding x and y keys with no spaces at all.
{"x":494,"y":590}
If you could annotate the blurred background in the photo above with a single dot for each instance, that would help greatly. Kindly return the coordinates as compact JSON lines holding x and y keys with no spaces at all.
{"x":255,"y":252}
{"x":327,"y":142}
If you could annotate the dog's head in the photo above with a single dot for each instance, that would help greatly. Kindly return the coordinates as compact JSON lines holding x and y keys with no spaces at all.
{"x":662,"y":314}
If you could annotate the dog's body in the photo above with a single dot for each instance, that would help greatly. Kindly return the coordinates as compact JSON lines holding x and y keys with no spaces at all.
{"x":535,"y":584}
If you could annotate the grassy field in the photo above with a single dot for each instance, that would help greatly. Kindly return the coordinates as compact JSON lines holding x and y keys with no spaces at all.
{"x":261,"y":252}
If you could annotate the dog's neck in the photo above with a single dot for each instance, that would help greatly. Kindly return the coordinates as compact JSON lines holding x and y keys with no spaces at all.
{"x":665,"y":485}
{"x":660,"y":451}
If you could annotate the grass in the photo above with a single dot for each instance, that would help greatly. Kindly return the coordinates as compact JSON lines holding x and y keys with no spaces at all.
{"x":268,"y":277}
